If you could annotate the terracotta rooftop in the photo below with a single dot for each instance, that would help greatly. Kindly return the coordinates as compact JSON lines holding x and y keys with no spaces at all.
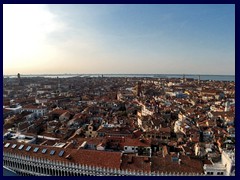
{"x":165,"y":164}
{"x":29,"y":106}
{"x":81,"y":156}
{"x":137,"y":163}
{"x":135,"y":142}
{"x":59,"y":111}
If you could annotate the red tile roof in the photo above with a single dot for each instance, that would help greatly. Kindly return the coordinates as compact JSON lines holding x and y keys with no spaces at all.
{"x":165,"y":164}
{"x":137,"y":163}
{"x":81,"y":156}
{"x":135,"y":142}
{"x":59,"y":111}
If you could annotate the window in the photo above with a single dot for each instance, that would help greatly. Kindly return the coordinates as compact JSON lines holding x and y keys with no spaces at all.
{"x":61,"y":153}
{"x":20,"y":147}
{"x":36,"y":149}
{"x":28,"y":148}
{"x":44,"y":151}
{"x":7,"y":145}
{"x":125,"y":148}
{"x":13,"y":146}
{"x":132,"y":148}
{"x":219,"y":173}
{"x":52,"y":152}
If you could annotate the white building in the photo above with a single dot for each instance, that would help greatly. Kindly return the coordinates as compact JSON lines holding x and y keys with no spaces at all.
{"x":39,"y":111}
{"x":228,"y":160}
{"x":16,"y":109}
{"x":224,"y":168}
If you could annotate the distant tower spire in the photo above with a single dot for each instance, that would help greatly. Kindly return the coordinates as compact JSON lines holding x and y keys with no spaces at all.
{"x":20,"y":83}
{"x":184,"y":78}
{"x":58,"y":83}
{"x":139,"y":88}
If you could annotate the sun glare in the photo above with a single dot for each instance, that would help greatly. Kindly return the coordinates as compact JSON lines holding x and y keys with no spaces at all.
{"x":24,"y":31}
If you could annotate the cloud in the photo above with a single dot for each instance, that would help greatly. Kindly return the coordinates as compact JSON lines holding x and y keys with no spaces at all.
{"x":25,"y":29}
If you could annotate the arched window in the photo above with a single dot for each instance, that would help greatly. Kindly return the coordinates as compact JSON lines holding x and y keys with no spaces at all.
{"x":46,"y":170}
{"x":57,"y":172}
{"x":42,"y":170}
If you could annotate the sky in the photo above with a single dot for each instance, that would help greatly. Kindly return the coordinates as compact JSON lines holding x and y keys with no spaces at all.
{"x":119,"y":39}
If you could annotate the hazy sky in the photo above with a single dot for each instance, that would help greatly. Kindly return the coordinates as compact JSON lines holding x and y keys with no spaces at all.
{"x":189,"y":39}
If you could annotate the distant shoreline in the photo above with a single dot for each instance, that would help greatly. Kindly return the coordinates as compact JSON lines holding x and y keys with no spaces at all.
{"x":169,"y":76}
{"x":118,"y":74}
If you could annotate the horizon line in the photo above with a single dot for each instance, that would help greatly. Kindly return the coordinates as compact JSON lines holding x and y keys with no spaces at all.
{"x":52,"y":74}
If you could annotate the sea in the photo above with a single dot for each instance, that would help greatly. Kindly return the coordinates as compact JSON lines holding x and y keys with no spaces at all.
{"x":193,"y":76}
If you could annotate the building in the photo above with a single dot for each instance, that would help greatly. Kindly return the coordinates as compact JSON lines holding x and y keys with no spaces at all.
{"x":226,"y":167}
{"x":38,"y":111}
{"x":42,"y":160}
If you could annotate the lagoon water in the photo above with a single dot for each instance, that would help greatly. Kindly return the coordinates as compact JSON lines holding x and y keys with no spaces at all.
{"x":202,"y":77}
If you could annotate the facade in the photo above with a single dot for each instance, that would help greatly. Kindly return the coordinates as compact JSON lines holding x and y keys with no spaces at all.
{"x":15,"y":109}
{"x":35,"y":160}
{"x":228,"y":160}
{"x":38,"y":111}
{"x":224,"y":168}
{"x":215,"y":169}
{"x":31,"y":166}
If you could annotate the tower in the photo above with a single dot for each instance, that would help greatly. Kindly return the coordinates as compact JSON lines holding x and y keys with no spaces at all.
{"x":20,"y":83}
{"x":58,"y":84}
{"x":139,"y":89}
{"x":184,"y":78}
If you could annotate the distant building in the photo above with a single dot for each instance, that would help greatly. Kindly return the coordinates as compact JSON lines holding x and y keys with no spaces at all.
{"x":39,"y":111}
{"x":20,"y":82}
